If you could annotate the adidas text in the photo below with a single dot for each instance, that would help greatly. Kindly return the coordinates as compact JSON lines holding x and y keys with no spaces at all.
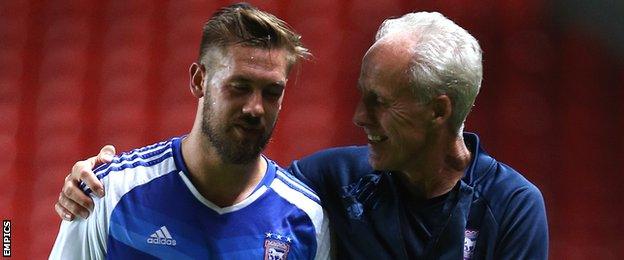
{"x":161,"y":237}
{"x":161,"y":241}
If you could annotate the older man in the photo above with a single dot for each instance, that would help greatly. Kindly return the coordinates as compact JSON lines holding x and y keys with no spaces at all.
{"x":422,"y":189}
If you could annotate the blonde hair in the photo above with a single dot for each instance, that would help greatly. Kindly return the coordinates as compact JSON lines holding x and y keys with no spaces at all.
{"x":248,"y":26}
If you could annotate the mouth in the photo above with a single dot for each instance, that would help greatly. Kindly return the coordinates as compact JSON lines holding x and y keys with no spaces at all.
{"x":374,"y":139}
{"x":247,"y":129}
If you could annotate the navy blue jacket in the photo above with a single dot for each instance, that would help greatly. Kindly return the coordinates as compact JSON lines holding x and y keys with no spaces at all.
{"x":495,"y":212}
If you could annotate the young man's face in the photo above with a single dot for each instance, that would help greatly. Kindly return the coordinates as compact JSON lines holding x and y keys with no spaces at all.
{"x":243,"y":97}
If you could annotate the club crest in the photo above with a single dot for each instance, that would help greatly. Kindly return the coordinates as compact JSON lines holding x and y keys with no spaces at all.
{"x":470,"y":240}
{"x":276,"y":247}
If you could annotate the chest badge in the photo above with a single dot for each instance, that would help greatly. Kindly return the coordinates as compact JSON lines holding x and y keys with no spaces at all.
{"x":470,"y":240}
{"x":276,"y":246}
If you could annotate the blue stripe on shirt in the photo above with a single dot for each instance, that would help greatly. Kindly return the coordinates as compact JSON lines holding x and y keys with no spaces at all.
{"x":298,"y":188}
{"x":293,"y":179}
{"x":157,"y":148}
{"x":135,"y":164}
{"x":134,"y":154}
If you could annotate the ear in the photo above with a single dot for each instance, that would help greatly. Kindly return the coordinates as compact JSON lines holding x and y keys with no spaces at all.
{"x":197,"y":73}
{"x":442,"y":109}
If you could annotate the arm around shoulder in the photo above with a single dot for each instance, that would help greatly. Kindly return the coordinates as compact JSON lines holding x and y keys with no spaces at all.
{"x":81,"y":238}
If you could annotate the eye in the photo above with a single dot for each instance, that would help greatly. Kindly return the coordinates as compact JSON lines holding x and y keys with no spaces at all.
{"x":373,"y":100}
{"x":370,"y":99}
{"x":240,"y":87}
{"x":381,"y":101}
{"x":274,"y":91}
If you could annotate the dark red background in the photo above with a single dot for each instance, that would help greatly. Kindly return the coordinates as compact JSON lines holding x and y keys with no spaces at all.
{"x":75,"y":75}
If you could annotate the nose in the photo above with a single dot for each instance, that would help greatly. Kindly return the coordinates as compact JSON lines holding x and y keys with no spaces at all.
{"x":361,"y":116}
{"x":254,"y":105}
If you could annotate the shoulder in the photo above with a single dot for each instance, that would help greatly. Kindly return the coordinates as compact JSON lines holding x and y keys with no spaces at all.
{"x":299,"y":195}
{"x":501,"y":186}
{"x":516,"y":206}
{"x":337,"y":156}
{"x":136,"y":167}
{"x":289,"y":185}
{"x":335,"y":166}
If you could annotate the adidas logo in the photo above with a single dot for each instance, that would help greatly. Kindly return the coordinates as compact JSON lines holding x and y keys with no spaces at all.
{"x":161,"y":237}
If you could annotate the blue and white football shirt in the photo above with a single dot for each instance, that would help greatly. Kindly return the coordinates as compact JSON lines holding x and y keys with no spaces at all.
{"x":152,"y":210}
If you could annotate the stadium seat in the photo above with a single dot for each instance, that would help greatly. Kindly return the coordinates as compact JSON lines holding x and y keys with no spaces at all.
{"x":8,"y":142}
{"x":48,"y":144}
{"x":121,"y":8}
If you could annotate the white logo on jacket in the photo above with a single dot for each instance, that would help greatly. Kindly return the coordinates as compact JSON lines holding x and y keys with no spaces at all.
{"x":470,"y":240}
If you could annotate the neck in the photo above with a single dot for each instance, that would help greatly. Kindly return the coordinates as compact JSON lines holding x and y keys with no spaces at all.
{"x":439,"y":170}
{"x":223,"y":184}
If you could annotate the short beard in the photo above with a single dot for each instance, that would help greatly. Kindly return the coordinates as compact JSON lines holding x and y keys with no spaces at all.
{"x":231,"y":151}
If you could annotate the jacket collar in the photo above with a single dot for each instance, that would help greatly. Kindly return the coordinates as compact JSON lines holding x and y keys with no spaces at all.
{"x":480,"y":162}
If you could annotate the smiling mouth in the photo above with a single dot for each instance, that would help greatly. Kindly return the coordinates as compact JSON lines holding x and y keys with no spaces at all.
{"x":373,"y":139}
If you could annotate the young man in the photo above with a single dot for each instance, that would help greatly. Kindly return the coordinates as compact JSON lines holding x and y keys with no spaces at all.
{"x":211,"y":193}
{"x":422,"y":189}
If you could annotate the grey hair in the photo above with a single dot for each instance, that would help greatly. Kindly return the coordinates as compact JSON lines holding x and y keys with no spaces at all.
{"x":446,"y":60}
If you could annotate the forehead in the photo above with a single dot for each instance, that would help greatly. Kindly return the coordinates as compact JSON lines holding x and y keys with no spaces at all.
{"x":385,"y":67}
{"x":252,"y":60}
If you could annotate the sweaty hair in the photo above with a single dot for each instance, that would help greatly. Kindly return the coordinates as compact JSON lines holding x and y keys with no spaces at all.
{"x":245,"y":25}
{"x":446,"y":60}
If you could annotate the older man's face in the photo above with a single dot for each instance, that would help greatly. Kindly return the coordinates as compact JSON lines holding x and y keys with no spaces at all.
{"x":395,"y":123}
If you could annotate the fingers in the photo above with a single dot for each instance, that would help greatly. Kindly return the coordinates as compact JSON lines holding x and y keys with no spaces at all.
{"x":72,"y":201}
{"x":88,"y":177}
{"x":68,"y":207}
{"x":83,"y":171}
{"x":72,"y":194}
{"x":63,"y":212}
{"x":106,"y":155}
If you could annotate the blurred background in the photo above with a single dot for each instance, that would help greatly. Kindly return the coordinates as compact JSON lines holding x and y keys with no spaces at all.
{"x":75,"y":75}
